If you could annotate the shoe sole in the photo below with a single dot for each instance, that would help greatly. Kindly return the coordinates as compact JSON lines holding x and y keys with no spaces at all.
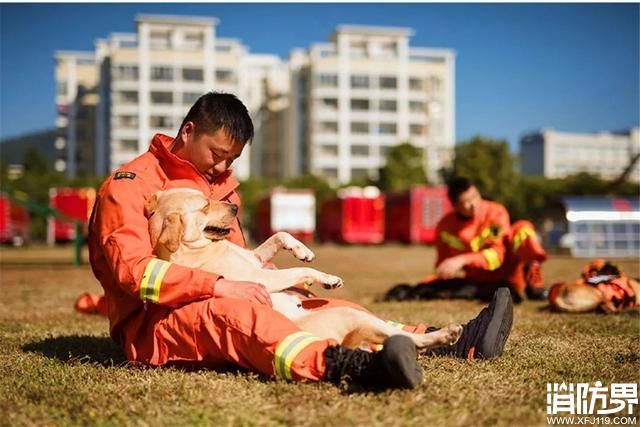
{"x":499,"y":326}
{"x":400,"y":360}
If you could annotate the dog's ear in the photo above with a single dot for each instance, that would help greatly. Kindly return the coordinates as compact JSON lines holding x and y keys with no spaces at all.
{"x":172,"y":232}
{"x":151,"y":204}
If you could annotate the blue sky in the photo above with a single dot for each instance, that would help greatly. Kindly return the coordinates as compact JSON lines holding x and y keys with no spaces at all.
{"x":520,"y":67}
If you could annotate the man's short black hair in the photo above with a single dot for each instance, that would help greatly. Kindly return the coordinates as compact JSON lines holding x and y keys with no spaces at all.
{"x":216,"y":110}
{"x":456,"y":186}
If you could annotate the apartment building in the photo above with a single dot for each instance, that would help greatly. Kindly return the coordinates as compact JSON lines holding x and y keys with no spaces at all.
{"x":555,"y":154}
{"x":146,"y":82}
{"x":76,"y":101}
{"x":334,"y":109}
{"x":363,"y":92}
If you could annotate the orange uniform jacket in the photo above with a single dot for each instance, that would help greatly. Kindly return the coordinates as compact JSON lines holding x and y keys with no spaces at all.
{"x":120,"y":248}
{"x":481,"y":240}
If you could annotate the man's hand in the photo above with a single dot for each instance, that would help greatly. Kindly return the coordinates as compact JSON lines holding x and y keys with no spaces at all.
{"x":242,"y":290}
{"x":451,"y":268}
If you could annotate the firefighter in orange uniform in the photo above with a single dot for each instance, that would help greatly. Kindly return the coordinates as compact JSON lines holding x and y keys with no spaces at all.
{"x":478,"y":250}
{"x":161,"y":313}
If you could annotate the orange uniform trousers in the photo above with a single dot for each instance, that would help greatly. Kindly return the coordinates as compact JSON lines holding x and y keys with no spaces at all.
{"x":220,"y":333}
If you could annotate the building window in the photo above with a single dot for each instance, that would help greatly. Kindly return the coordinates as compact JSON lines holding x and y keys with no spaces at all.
{"x":358,"y":49}
{"x":359,"y":127}
{"x":415,"y":83}
{"x":359,"y":150}
{"x":328,"y":127}
{"x":225,"y":76}
{"x":359,"y":81}
{"x":190,"y":98}
{"x":328,"y":150}
{"x":192,"y":74}
{"x":128,"y":121}
{"x":126,"y":72}
{"x":160,"y":122}
{"x":161,"y":74}
{"x":360,"y":104}
{"x":417,"y":107}
{"x":160,"y":39}
{"x":435,"y":108}
{"x":434,"y":84}
{"x":223,"y":48}
{"x":388,"y":82}
{"x":359,"y":174}
{"x":327,"y":80}
{"x":161,"y":97}
{"x":193,"y":40}
{"x":388,"y":105}
{"x":329,"y":103}
{"x":389,"y":49}
{"x":62,"y":88}
{"x":129,"y":145}
{"x":128,"y":97}
{"x":330,"y":173}
{"x":417,"y":129}
{"x":387,"y":128}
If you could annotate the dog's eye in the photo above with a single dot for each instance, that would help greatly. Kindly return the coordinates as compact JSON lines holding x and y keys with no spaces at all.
{"x":205,"y":208}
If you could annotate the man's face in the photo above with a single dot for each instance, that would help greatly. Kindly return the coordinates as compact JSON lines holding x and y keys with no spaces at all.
{"x":467,"y":203}
{"x":211,"y":153}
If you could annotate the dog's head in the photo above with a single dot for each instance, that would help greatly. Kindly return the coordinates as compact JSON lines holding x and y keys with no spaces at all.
{"x":185,"y":215}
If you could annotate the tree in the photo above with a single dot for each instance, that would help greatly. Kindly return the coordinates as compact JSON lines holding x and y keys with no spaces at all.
{"x":404,"y":168}
{"x":35,"y":162}
{"x":491,"y":167}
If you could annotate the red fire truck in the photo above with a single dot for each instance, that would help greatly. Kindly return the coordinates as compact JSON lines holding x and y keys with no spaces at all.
{"x":412,"y":215}
{"x":356,"y":215}
{"x":74,"y":202}
{"x":15,"y":222}
{"x":293,"y":211}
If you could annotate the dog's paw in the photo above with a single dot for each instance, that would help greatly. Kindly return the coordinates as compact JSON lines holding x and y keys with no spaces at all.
{"x":332,"y":282}
{"x":302,"y":252}
{"x":452,"y":333}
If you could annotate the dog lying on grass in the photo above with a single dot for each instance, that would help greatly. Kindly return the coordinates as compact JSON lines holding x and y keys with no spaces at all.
{"x":603,"y":287}
{"x":189,"y":229}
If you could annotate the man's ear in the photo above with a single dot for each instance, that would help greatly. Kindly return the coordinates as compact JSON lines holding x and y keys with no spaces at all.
{"x":172,"y":232}
{"x":151,"y":204}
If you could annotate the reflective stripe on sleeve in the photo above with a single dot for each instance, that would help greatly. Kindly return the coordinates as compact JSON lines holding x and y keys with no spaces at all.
{"x":492,"y":258}
{"x":287,"y":351}
{"x":452,"y":240}
{"x":152,"y":280}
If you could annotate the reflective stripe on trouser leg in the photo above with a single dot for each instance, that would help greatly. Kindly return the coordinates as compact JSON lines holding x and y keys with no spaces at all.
{"x":397,"y":325}
{"x":520,"y":237}
{"x":492,"y":258}
{"x":287,"y":351}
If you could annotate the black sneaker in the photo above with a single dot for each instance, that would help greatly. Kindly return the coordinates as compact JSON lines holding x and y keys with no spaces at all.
{"x":485,"y":336}
{"x":395,"y":366}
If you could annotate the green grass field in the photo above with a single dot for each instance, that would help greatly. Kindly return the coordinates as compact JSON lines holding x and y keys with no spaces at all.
{"x":58,"y":367}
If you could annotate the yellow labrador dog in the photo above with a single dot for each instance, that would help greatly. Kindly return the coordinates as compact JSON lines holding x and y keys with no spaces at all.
{"x":189,"y":229}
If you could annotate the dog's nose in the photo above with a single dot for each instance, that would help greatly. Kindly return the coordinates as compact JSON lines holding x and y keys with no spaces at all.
{"x":234,"y":208}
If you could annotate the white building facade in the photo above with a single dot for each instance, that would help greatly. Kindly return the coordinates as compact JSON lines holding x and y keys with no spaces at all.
{"x":364,"y":92}
{"x":333,"y":110}
{"x":555,"y":154}
{"x":147,"y":81}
